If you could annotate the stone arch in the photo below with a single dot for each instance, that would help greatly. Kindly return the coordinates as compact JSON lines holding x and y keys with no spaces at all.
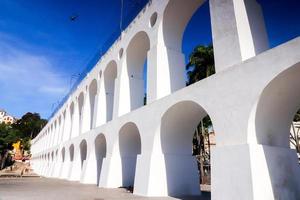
{"x":93,"y":88}
{"x":83,"y":151}
{"x":269,"y":126}
{"x":137,"y":51}
{"x":100,"y":153}
{"x":276,"y":107}
{"x":130,"y":147}
{"x":80,"y":109}
{"x":110,"y":75}
{"x":71,"y":152}
{"x":178,"y":125}
{"x":175,"y":19}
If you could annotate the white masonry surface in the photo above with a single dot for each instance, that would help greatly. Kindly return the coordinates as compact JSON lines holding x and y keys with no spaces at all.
{"x":104,"y":135}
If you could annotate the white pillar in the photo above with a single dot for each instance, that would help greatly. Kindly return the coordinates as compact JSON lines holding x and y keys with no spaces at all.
{"x":168,"y":67}
{"x":76,"y":165}
{"x":89,"y":170}
{"x":101,"y":104}
{"x":75,"y":120}
{"x":86,"y":113}
{"x":238,"y":31}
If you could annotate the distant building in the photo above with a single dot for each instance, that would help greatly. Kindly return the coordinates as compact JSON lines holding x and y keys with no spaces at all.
{"x":6,"y":118}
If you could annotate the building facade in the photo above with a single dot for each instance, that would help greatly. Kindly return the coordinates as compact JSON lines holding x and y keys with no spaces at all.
{"x":5,"y":118}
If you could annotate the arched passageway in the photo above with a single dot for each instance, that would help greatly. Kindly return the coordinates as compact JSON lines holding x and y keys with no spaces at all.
{"x":83,"y":152}
{"x":272,"y":119}
{"x":136,"y":69}
{"x":130,"y":147}
{"x":92,"y":92}
{"x":180,"y":35}
{"x":110,"y":75}
{"x":100,"y":151}
{"x":178,"y":127}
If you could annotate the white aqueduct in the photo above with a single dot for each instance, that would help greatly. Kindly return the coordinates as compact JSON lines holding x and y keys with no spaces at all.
{"x":104,"y":135}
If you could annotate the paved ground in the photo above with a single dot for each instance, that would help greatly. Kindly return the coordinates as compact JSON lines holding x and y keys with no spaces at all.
{"x":54,"y":189}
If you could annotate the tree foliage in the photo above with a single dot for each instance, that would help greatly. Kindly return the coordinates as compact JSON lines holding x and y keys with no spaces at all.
{"x":201,"y":64}
{"x":297,"y":116}
{"x":23,"y":130}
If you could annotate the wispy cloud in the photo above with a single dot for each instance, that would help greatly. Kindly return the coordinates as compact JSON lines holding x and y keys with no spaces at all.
{"x":28,"y":74}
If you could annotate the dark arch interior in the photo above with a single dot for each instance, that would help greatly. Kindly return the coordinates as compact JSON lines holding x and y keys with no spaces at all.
{"x":63,"y":151}
{"x":100,"y":151}
{"x":71,"y":151}
{"x":130,"y":147}
{"x":83,"y":152}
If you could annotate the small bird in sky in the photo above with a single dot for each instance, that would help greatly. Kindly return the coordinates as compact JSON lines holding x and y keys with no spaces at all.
{"x":73,"y":17}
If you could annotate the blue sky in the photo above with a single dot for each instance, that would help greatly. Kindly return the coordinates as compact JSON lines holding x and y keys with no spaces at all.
{"x":41,"y":49}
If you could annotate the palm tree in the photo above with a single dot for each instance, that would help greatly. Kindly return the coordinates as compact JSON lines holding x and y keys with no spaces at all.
{"x":201,"y":64}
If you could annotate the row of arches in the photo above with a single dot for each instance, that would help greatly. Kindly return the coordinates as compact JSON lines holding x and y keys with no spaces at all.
{"x":175,"y":141}
{"x":129,"y":73}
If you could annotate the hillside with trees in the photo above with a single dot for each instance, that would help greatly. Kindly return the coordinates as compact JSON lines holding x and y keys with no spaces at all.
{"x":23,"y":130}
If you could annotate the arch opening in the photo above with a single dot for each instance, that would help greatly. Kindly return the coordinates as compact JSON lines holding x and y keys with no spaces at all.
{"x":137,"y":51}
{"x":100,"y":151}
{"x":187,"y":30}
{"x":187,"y":137}
{"x":130,"y":148}
{"x":92,"y":92}
{"x":110,"y":75}
{"x":274,"y":116}
{"x":83,"y":152}
{"x":276,"y":108}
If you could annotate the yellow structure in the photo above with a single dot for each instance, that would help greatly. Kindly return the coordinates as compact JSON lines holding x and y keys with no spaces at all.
{"x":17,"y":150}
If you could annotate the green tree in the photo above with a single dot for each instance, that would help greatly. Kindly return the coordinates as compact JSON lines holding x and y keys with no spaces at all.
{"x":201,"y":64}
{"x":297,"y":116}
{"x":30,"y":125}
{"x":23,"y":130}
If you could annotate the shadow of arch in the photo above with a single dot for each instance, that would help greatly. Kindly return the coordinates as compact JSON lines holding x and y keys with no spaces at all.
{"x":71,"y":152}
{"x":63,"y":152}
{"x":80,"y":109}
{"x":100,"y":151}
{"x":71,"y":120}
{"x":273,"y":116}
{"x":93,"y":92}
{"x":110,"y":75}
{"x":178,"y":126}
{"x":136,"y":56}
{"x":130,"y":147}
{"x":83,"y":152}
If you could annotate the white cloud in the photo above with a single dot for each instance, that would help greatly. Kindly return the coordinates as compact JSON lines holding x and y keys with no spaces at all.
{"x":27,"y":78}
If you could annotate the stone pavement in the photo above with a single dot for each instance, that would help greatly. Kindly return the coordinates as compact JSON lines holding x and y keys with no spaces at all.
{"x":55,"y":189}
